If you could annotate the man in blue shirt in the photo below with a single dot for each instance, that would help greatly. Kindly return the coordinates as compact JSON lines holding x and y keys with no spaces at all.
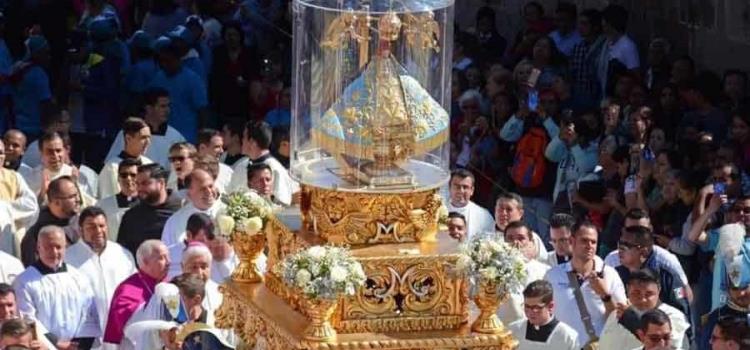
{"x":31,"y":90}
{"x":187,"y":93}
{"x":637,"y":251}
{"x":566,"y":36}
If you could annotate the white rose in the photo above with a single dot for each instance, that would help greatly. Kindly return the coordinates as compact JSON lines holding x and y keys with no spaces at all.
{"x":495,"y":246}
{"x":338,"y":273}
{"x":226,"y":224}
{"x":303,"y":277}
{"x":356,"y":270}
{"x":316,"y":252}
{"x":252,"y":225}
{"x":463,"y":262}
{"x":489,"y":273}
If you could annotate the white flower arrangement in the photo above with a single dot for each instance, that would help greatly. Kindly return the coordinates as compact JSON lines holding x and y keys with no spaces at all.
{"x":489,"y":259}
{"x":323,"y":272}
{"x":245,"y":212}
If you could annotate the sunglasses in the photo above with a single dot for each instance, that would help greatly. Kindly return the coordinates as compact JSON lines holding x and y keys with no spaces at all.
{"x":177,"y":158}
{"x":622,"y":245}
{"x":743,"y":210}
{"x":126,"y":175}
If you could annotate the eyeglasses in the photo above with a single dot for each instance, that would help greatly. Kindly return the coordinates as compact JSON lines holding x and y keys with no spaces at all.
{"x":742,"y":210}
{"x":623,"y":245}
{"x":126,"y":175}
{"x":656,"y":338}
{"x":535,"y":308}
{"x":177,"y":158}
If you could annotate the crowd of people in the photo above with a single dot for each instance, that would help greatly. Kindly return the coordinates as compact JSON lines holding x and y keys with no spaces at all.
{"x":624,"y":182}
{"x":626,"y":178}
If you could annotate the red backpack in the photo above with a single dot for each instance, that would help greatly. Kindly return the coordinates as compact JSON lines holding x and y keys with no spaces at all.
{"x":529,"y":163}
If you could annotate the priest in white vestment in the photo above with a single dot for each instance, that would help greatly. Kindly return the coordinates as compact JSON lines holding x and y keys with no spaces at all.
{"x":182,"y":163}
{"x":137,"y":140}
{"x":200,"y":229}
{"x":540,"y":330}
{"x":54,"y":165}
{"x":156,"y":113}
{"x":225,"y":260}
{"x":519,"y":235}
{"x":478,"y":219}
{"x":56,"y":294}
{"x":643,"y":295}
{"x":116,"y":206}
{"x":197,"y":261}
{"x":561,"y":238}
{"x":15,"y":191}
{"x":106,"y":263}
{"x":256,"y":148}
{"x":203,"y":198}
{"x":10,"y":267}
{"x":508,"y":209}
{"x":211,"y":144}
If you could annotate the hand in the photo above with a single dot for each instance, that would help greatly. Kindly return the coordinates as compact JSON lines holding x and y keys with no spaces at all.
{"x":67,"y":345}
{"x":37,"y":345}
{"x":620,"y":308}
{"x":716,"y":202}
{"x":75,"y":173}
{"x":598,"y":284}
{"x":45,"y":182}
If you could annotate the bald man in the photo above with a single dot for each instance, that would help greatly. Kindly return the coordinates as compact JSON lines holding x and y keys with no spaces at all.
{"x":203,"y":197}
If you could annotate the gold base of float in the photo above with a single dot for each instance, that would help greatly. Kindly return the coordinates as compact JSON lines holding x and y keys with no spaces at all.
{"x":264,"y":320}
{"x":411,"y":299}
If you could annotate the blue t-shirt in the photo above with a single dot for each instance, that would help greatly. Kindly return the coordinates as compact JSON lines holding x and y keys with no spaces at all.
{"x":27,"y":95}
{"x":141,"y":73}
{"x":279,"y":117}
{"x":187,"y":95}
{"x":196,"y":65}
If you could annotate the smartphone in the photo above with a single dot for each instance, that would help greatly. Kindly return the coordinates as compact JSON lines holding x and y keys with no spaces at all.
{"x":533,"y":77}
{"x":648,"y":154}
{"x":720,"y":188}
{"x":533,"y":100}
{"x":630,"y":184}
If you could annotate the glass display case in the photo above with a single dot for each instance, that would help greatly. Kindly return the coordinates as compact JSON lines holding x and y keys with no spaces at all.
{"x":371,"y":94}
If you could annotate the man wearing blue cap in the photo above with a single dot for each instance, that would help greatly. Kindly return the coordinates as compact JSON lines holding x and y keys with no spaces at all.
{"x":101,"y":89}
{"x":183,"y":41}
{"x":31,"y":90}
{"x":141,"y":72}
{"x":187,"y":92}
{"x":737,"y":282}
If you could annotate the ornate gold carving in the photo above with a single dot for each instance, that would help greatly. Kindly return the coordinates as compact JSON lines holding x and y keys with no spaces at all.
{"x":257,"y":323}
{"x":367,"y":218}
{"x":248,"y":249}
{"x":488,"y":299}
{"x":320,"y":312}
{"x":281,"y":242}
